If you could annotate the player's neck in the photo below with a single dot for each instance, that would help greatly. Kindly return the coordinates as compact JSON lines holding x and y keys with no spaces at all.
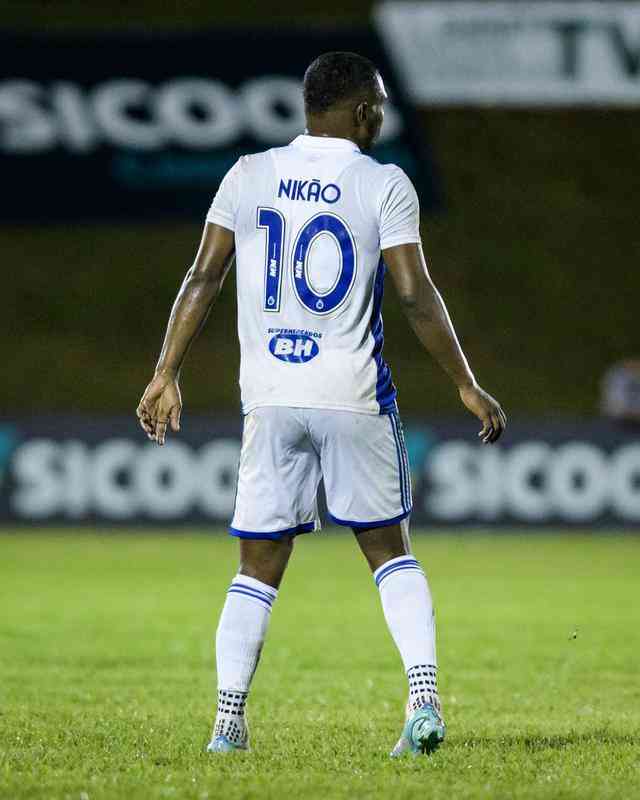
{"x":334,"y":125}
{"x":332,"y":134}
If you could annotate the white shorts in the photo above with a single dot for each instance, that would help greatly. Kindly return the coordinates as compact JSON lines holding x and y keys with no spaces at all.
{"x":285,"y":453}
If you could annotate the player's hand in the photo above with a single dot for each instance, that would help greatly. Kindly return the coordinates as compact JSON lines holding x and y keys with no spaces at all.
{"x":160,"y":406}
{"x":488,"y":411}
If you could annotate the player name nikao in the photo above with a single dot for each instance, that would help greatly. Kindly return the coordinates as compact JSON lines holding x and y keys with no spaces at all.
{"x":309,"y":190}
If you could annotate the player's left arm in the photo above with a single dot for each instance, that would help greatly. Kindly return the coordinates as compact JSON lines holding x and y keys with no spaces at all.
{"x":429,"y":318}
{"x":161,"y":402}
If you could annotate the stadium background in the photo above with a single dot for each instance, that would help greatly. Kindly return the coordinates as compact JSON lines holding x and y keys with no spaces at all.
{"x":105,"y":657}
{"x":534,"y":251}
{"x":529,"y":225}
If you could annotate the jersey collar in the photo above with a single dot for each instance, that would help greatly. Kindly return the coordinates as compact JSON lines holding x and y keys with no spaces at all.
{"x":325,"y":143}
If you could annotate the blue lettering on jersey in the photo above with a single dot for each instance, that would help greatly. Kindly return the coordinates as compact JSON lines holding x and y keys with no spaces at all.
{"x":293,"y":349}
{"x":295,"y":189}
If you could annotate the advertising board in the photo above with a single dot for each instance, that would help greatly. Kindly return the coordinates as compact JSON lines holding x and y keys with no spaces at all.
{"x":515,"y":54}
{"x":79,"y":470}
{"x":143,"y":126}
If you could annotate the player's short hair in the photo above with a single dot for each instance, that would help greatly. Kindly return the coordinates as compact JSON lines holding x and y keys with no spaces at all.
{"x":334,"y":77}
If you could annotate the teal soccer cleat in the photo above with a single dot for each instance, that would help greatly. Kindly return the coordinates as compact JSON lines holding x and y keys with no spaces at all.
{"x":220,"y":744}
{"x":423,"y":732}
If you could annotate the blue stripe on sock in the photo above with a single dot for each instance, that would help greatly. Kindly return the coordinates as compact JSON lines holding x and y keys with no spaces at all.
{"x":260,"y":600}
{"x":255,"y":591}
{"x":406,"y":562}
{"x":268,"y":595}
{"x":247,"y":590}
{"x":232,"y":590}
{"x":414,"y":567}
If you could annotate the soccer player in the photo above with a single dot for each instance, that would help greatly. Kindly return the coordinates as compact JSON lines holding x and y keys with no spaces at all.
{"x":314,"y":227}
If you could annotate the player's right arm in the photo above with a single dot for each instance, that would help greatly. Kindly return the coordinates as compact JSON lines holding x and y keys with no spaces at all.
{"x":161,"y":402}
{"x":429,"y":318}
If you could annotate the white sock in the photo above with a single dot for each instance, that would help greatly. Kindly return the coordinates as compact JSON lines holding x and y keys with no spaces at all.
{"x":239,"y":639}
{"x":408,"y":610}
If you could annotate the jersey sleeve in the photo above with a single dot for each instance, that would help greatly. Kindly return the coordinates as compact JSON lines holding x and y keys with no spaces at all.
{"x":399,"y":211}
{"x":225,"y":204}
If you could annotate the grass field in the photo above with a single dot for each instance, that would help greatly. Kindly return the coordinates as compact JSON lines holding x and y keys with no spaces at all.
{"x":107,"y":682}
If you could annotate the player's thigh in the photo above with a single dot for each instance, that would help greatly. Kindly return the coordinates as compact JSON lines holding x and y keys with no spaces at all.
{"x":278,"y":476}
{"x":364,"y":466}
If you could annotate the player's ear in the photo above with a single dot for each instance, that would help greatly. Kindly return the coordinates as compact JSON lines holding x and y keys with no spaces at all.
{"x":362,"y":110}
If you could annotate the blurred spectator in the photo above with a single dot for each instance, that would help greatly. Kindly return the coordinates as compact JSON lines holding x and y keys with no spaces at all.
{"x":621,"y":391}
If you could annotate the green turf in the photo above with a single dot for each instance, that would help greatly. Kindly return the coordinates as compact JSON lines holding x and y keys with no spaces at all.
{"x":107,"y":684}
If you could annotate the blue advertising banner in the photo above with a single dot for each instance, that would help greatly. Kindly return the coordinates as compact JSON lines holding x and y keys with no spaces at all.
{"x":81,"y":470}
{"x":143,"y":126}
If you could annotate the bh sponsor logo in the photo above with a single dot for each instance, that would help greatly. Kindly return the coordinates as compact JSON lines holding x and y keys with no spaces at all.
{"x":295,"y":349}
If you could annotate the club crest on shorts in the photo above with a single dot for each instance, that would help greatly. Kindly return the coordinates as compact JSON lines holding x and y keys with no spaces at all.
{"x":295,"y":349}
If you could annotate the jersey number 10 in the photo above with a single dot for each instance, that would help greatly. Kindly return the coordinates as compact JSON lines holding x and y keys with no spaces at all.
{"x":323,"y":224}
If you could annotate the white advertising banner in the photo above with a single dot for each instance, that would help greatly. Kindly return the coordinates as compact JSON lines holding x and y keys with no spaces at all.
{"x":515,"y":54}
{"x":86,"y":470}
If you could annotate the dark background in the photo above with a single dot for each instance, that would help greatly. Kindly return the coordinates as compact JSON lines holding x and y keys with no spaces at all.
{"x":535,"y":251}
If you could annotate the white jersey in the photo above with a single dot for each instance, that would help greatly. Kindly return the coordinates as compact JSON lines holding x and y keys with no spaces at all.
{"x":310,"y":220}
